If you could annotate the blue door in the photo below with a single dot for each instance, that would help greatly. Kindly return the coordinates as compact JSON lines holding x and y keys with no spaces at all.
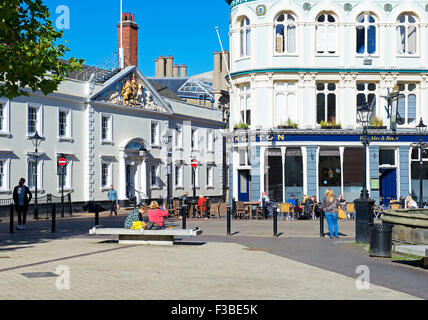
{"x":388,"y":185}
{"x":243,"y":185}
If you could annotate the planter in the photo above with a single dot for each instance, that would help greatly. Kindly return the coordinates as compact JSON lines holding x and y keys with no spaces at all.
{"x":332,"y":127}
{"x":287,"y":127}
{"x":376,"y":127}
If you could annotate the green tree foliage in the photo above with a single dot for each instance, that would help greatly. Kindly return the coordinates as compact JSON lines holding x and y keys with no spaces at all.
{"x":29,"y":57}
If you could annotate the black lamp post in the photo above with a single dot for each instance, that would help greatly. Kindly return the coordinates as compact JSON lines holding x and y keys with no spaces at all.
{"x":422,"y":129}
{"x":36,"y":140}
{"x":364,"y":205}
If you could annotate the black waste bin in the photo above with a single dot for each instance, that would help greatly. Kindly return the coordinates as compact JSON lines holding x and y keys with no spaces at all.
{"x":380,"y":240}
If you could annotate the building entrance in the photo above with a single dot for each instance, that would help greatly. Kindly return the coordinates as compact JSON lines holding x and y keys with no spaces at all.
{"x":243,"y":185}
{"x":388,"y":185}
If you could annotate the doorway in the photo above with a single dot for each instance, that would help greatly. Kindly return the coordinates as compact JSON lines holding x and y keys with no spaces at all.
{"x":388,"y":185}
{"x":243,"y":185}
{"x":130,"y":180}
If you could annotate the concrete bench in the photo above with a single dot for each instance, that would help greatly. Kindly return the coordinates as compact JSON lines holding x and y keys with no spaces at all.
{"x":415,"y":250}
{"x":154,"y":237}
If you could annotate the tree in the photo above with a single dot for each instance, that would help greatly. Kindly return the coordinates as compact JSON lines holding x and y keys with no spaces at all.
{"x":29,"y":57}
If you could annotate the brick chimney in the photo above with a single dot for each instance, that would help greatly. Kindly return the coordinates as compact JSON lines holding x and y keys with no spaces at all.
{"x":129,"y":39}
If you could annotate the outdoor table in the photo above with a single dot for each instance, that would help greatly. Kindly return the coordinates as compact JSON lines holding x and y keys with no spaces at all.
{"x":249,"y":205}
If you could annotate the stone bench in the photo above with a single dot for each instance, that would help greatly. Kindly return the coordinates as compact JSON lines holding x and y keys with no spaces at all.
{"x":154,"y":237}
{"x":415,"y":250}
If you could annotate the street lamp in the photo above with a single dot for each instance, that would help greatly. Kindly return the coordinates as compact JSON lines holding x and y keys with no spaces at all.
{"x":36,"y":140}
{"x":392,"y":100}
{"x":364,"y":205}
{"x":421,"y":129}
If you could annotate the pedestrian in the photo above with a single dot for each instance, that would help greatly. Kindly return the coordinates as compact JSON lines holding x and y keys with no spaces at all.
{"x":21,"y":197}
{"x":156,"y":216}
{"x":201,"y":208}
{"x":410,"y":203}
{"x":112,"y":196}
{"x":330,"y":206}
{"x":136,"y":215}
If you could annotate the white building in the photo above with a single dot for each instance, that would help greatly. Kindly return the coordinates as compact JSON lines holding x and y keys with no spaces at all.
{"x":307,"y":63}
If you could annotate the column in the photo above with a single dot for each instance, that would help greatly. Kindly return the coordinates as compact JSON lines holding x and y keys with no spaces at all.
{"x":312,"y":170}
{"x":262,"y":169}
{"x":341,"y":150}
{"x":122,"y":176}
{"x":305,"y":170}
{"x":255,"y":173}
{"x":373,"y":170}
{"x":143,"y":178}
{"x":283,"y":152}
{"x":404,"y":171}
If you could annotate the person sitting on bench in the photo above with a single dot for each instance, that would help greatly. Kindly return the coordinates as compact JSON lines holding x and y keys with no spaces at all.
{"x":136,"y":215}
{"x":156,"y":216}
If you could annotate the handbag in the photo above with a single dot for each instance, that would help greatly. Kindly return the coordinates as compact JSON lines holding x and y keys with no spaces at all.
{"x":341,"y":213}
{"x":117,"y":206}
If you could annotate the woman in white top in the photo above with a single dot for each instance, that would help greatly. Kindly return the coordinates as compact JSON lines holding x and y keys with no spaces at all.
{"x":410,"y":203}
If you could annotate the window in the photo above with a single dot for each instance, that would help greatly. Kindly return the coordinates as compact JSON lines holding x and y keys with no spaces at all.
{"x":179,"y":175}
{"x":326,"y":102}
{"x":34,"y":119}
{"x":210,"y":140}
{"x":2,"y":174}
{"x":210,"y":176}
{"x":387,"y":157}
{"x":195,"y":136}
{"x":326,"y":34}
{"x":31,"y":178}
{"x":3,"y":116}
{"x":366,"y":92}
{"x":196,"y":185}
{"x":179,"y":136}
{"x":245,"y":104}
{"x":155,"y":134}
{"x":285,"y":34}
{"x":106,"y":128}
{"x":155,"y":176}
{"x":415,"y":174}
{"x":406,"y":109}
{"x":406,"y":33}
{"x":286,"y":103}
{"x":66,"y":178}
{"x":245,"y":37}
{"x":329,"y":169}
{"x":366,"y":34}
{"x":106,"y":174}
{"x":64,"y":123}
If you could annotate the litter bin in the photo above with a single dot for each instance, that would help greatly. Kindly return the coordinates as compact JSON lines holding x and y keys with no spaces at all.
{"x":380,"y":240}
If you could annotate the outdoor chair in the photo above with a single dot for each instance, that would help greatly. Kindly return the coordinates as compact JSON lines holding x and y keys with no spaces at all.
{"x":241,"y":210}
{"x":214,"y":210}
{"x":222,"y":208}
{"x":376,"y":212}
{"x":259,"y":212}
{"x":350,"y":210}
{"x":284,"y":208}
{"x":395,"y":206}
{"x":174,"y":209}
{"x":314,"y":208}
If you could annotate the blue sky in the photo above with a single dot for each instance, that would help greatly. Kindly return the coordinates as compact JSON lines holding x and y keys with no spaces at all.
{"x":182,"y":29}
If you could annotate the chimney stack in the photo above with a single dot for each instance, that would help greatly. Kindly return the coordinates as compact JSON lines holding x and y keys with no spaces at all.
{"x":175,"y":71}
{"x":183,"y":71}
{"x":169,"y":66}
{"x":129,"y":39}
{"x":161,"y":67}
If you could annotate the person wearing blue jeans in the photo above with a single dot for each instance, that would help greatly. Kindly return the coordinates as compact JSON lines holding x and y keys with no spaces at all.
{"x":330,"y":206}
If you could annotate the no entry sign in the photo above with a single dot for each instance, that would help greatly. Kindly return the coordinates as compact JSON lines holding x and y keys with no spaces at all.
{"x":194,"y":163}
{"x":62,"y":162}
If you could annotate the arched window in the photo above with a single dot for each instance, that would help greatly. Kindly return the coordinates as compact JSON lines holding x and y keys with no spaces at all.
{"x":366,"y":34}
{"x":245,"y":37}
{"x":285,"y":33}
{"x":406,"y":33}
{"x":326,"y":33}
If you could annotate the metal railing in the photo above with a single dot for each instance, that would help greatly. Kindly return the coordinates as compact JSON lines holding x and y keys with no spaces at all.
{"x":102,"y":71}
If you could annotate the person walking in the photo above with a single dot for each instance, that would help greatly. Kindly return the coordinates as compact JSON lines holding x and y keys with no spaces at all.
{"x":21,"y":197}
{"x":112,"y":197}
{"x":330,"y":206}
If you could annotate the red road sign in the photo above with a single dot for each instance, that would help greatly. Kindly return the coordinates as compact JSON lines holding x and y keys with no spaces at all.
{"x":62,"y":161}
{"x":194,"y":163}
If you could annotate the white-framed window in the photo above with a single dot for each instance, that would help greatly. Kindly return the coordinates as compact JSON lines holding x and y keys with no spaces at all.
{"x":64,"y":123}
{"x":155,"y":133}
{"x":366,"y":35}
{"x":155,"y":175}
{"x":245,"y":104}
{"x":34,"y":119}
{"x":197,"y":169}
{"x":210,"y":140}
{"x":179,"y":175}
{"x":406,"y":109}
{"x":406,"y":35}
{"x":326,"y":102}
{"x":367,"y":92}
{"x":285,"y":34}
{"x":106,"y":128}
{"x":244,"y":157}
{"x":245,"y":37}
{"x":66,"y":179}
{"x":31,"y":173}
{"x":195,"y":139}
{"x":179,"y":136}
{"x":326,"y":34}
{"x":210,"y":176}
{"x":4,"y":173}
{"x":4,"y":116}
{"x":106,"y":174}
{"x":286,"y":109}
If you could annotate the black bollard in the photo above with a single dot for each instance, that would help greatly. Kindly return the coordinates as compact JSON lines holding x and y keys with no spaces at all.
{"x":53,"y":227}
{"x":322,"y":223}
{"x":11,"y":218}
{"x":275,"y":222}
{"x":70,"y":214}
{"x":233,"y":212}
{"x":229,"y":213}
{"x":183,"y":215}
{"x":97,"y":217}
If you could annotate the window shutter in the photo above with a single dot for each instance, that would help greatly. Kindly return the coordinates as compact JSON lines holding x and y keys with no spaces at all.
{"x":332,"y":39}
{"x":320,"y":34}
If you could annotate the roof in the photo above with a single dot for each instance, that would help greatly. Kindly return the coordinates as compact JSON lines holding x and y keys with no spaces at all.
{"x":186,"y":87}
